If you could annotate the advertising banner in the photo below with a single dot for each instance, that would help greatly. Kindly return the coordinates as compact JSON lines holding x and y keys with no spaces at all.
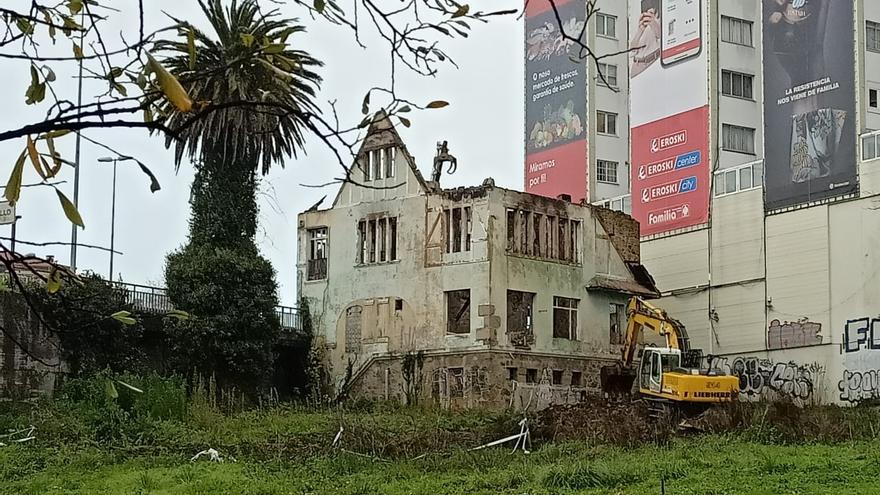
{"x":669,"y":114}
{"x":556,"y":101}
{"x":809,"y":101}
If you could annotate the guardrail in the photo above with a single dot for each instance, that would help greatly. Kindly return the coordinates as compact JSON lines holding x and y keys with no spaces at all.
{"x":151,"y":299}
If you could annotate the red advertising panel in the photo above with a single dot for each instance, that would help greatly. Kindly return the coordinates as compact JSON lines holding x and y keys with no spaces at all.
{"x":669,"y":114}
{"x":556,"y":101}
{"x":672,"y":172}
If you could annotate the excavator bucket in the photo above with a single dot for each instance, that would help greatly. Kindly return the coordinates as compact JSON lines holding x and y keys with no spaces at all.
{"x":617,"y":380}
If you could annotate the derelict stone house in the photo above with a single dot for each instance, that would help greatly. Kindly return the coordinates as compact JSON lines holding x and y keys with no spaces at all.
{"x":513,"y":299}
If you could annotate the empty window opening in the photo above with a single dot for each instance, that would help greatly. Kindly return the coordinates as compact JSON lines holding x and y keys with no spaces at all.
{"x":377,"y":240}
{"x":457,"y":226}
{"x":537,"y":222}
{"x":383,"y":239}
{"x":456,"y":383}
{"x":390,"y":159}
{"x":617,"y":320}
{"x":512,"y":374}
{"x":575,"y":378}
{"x":557,"y":377}
{"x":392,"y":223}
{"x":317,"y":263}
{"x":872,"y":98}
{"x":565,"y":318}
{"x":458,"y":311}
{"x":520,"y":311}
{"x":398,"y":304}
{"x":511,"y":230}
{"x":456,"y":230}
{"x":531,"y":375}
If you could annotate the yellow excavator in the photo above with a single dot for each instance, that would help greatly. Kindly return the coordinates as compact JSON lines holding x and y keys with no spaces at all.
{"x":669,"y":377}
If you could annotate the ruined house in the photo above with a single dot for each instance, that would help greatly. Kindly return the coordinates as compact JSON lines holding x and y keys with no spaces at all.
{"x":467,"y":297}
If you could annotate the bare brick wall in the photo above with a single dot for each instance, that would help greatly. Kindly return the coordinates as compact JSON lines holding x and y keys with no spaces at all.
{"x":623,"y":231}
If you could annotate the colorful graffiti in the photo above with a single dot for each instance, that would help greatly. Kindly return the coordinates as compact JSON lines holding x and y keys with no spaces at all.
{"x":762,"y":378}
{"x":784,"y":335}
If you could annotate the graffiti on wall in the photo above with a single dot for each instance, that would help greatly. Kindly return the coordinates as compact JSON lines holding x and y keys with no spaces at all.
{"x":469,"y":385}
{"x":858,"y":386}
{"x":861,"y":378}
{"x":861,"y":333}
{"x":760,"y":377}
{"x":783,"y":335}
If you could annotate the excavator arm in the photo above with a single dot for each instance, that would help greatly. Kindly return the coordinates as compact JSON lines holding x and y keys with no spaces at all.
{"x":641,"y":315}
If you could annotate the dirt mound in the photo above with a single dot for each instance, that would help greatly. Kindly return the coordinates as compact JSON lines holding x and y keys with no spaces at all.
{"x":598,"y":420}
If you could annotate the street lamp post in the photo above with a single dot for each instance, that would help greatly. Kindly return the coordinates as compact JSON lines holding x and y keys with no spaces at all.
{"x":113,"y":207}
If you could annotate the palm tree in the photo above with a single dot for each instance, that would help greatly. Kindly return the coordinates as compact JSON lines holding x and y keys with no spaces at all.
{"x":259,"y":92}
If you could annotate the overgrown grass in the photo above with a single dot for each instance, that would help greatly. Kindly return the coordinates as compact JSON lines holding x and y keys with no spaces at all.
{"x":87,"y":442}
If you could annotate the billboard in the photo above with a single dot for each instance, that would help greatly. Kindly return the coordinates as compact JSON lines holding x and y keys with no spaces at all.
{"x":809,"y":101}
{"x":555,"y":100}
{"x":669,"y":114}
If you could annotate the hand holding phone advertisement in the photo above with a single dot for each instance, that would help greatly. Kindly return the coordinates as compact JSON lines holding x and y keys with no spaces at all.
{"x":681,"y":31}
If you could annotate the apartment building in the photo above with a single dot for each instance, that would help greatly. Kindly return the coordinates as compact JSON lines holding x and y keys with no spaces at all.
{"x":754,"y":142}
{"x":467,"y":297}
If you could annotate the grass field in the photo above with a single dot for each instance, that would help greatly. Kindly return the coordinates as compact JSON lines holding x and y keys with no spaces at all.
{"x":141,"y":443}
{"x":708,"y":465}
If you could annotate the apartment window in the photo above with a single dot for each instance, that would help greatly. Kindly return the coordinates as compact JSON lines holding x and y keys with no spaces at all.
{"x":565,"y":318}
{"x":556,"y":377}
{"x":737,"y":84}
{"x":317,"y":264}
{"x":606,"y":25}
{"x":872,"y":98}
{"x":576,"y":378}
{"x":871,"y":146}
{"x":620,"y":203}
{"x":737,"y":138}
{"x":740,"y":178}
{"x":616,"y":323}
{"x":607,"y":74}
{"x":543,"y":236}
{"x":736,"y":31}
{"x":872,"y":36}
{"x":377,"y":240}
{"x":520,"y":307}
{"x":458,"y":311}
{"x":512,"y":374}
{"x":606,"y":171}
{"x":606,"y":123}
{"x":457,"y":224}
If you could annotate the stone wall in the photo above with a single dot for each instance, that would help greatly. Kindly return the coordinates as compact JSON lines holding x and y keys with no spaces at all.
{"x":482,"y":379}
{"x":30,"y":363}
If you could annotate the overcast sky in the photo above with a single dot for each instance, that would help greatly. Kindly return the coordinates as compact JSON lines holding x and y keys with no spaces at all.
{"x":483,"y":125}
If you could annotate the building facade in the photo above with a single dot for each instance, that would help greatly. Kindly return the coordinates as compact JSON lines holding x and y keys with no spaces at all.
{"x":467,"y":297}
{"x":769,"y":254}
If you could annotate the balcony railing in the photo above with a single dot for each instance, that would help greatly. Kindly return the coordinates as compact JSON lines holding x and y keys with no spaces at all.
{"x":155,"y":300}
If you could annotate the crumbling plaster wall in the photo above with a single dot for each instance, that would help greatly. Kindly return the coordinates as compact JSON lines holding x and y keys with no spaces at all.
{"x":30,"y":372}
{"x":479,"y":379}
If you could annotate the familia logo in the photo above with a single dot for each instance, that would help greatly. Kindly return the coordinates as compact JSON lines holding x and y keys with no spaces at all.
{"x":661,"y":143}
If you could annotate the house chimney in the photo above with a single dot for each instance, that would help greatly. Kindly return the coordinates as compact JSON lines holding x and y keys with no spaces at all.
{"x":564,"y":197}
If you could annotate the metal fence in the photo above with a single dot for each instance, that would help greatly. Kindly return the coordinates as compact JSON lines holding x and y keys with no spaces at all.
{"x":150,"y":299}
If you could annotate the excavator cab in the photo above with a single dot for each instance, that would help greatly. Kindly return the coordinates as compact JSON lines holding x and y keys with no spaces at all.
{"x":654,"y":363}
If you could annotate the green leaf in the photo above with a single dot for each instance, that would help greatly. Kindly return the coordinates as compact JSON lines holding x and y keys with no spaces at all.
{"x":365,"y":107}
{"x":110,"y":390}
{"x":70,"y":210}
{"x":191,"y":46}
{"x":247,"y":39}
{"x":438,"y":104}
{"x":130,"y":387}
{"x":404,"y":109}
{"x":123,"y":317}
{"x":154,"y":182}
{"x":319,"y":6}
{"x":75,"y":6}
{"x":405,"y":122}
{"x":77,"y":51}
{"x":115,"y":72}
{"x":120,"y":89}
{"x":24,"y":26}
{"x":462,"y":11}
{"x":178,"y":314}
{"x":274,"y":48}
{"x":50,"y":74}
{"x":53,"y":282}
{"x":13,"y":185}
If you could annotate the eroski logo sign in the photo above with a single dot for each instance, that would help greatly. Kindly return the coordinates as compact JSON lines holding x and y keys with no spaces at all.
{"x":668,"y":189}
{"x":661,"y":143}
{"x":672,"y":164}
